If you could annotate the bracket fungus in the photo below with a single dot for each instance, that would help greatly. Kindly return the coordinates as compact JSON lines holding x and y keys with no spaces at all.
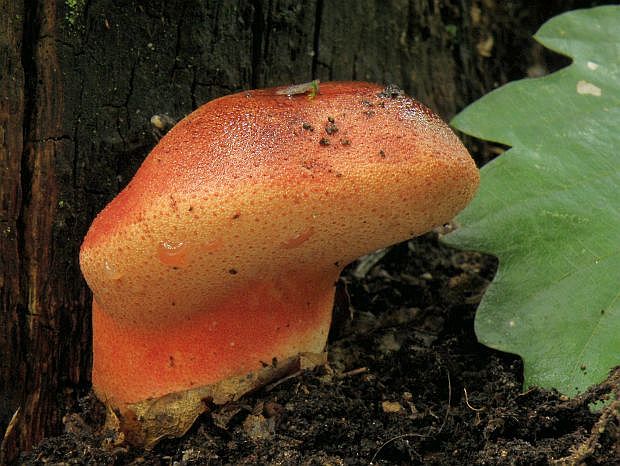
{"x":213,"y":271}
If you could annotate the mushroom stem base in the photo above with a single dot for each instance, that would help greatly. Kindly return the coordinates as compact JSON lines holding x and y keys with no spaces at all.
{"x":156,"y":378}
{"x":147,"y":422}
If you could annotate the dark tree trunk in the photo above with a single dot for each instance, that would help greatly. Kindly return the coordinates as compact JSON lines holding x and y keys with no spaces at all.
{"x":80,"y":80}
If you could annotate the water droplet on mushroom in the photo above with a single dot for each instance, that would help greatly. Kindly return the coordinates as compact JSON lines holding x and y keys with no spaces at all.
{"x":111,"y":272}
{"x":172,"y":254}
{"x":298,"y":239}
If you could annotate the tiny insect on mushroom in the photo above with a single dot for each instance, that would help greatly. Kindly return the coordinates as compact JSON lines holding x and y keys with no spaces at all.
{"x":213,"y":271}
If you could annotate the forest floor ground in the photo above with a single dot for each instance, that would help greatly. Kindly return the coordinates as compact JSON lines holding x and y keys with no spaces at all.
{"x":406,"y":383}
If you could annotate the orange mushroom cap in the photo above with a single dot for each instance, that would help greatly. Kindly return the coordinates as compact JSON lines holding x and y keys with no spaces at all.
{"x":215,"y":267}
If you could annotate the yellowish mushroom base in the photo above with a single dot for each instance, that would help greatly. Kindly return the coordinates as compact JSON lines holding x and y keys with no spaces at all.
{"x":147,"y":422}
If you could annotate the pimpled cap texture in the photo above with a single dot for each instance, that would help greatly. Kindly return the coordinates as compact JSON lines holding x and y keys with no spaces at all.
{"x":260,"y":184}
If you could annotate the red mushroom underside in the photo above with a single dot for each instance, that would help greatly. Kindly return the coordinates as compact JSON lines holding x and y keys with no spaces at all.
{"x":240,"y":335}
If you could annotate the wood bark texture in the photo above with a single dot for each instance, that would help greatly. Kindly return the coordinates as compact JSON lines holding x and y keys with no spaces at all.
{"x":81,"y":79}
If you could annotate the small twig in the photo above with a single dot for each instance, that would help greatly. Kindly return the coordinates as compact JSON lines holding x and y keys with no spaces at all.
{"x":467,"y":402}
{"x":476,"y":410}
{"x":271,"y":386}
{"x":527,"y":392}
{"x":359,"y":370}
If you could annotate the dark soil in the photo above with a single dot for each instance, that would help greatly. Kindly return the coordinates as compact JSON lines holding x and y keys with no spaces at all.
{"x":407,"y":383}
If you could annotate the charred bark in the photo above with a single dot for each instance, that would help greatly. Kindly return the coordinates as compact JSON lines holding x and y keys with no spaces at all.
{"x":80,"y":80}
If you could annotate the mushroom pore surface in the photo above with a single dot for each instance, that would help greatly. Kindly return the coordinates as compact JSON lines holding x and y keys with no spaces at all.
{"x":222,"y":252}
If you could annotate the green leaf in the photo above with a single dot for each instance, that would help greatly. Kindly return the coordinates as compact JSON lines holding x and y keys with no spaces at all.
{"x":549,"y":208}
